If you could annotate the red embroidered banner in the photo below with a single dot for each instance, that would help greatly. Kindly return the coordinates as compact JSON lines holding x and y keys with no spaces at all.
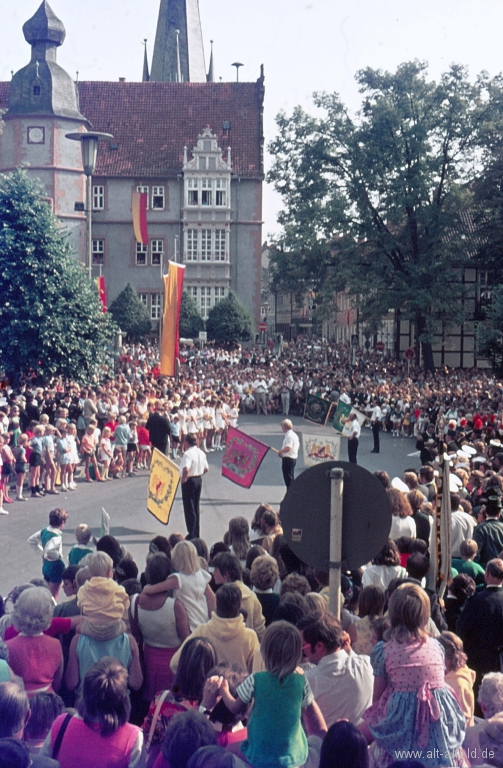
{"x":102,"y":292}
{"x":242,"y":457}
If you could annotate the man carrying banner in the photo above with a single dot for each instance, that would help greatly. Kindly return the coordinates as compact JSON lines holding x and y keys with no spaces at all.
{"x":354,"y":430}
{"x":289,"y":452}
{"x":192,"y":468}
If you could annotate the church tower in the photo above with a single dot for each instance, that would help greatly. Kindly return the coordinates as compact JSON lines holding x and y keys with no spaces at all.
{"x":178,"y":51}
{"x":43,"y":107}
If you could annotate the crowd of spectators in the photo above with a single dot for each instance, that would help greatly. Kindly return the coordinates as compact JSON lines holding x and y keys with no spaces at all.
{"x":225,"y":653}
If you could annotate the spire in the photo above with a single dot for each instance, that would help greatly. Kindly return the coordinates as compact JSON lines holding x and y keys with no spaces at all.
{"x":43,"y":87}
{"x":146,"y":75}
{"x":186,"y":46}
{"x":210,"y":77}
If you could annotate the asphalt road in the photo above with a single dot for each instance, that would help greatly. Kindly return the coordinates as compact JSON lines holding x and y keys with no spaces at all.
{"x":125,"y":500}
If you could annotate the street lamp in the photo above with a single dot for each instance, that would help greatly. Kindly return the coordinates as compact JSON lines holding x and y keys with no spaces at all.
{"x":89,"y":146}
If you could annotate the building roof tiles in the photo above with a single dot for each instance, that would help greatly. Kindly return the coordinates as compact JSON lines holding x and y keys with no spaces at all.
{"x":152,"y":122}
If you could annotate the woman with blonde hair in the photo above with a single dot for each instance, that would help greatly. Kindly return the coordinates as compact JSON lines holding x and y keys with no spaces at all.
{"x":190,"y":584}
{"x":413,"y":708}
{"x":402,"y":522}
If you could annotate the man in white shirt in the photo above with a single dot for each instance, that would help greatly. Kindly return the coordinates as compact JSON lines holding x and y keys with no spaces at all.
{"x":375,"y":422}
{"x":259,"y":393}
{"x":342,"y":681}
{"x":289,"y":452}
{"x":462,"y":525}
{"x":192,"y":468}
{"x":353,"y":437}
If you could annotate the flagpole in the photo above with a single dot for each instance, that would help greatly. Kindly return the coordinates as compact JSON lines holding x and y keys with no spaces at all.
{"x":163,"y":299}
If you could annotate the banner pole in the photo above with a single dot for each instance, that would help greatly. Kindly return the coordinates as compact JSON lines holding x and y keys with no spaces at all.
{"x":336,"y":497}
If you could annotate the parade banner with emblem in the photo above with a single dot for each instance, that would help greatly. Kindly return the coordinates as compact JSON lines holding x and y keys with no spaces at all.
{"x":318,"y":448}
{"x":242,"y":457}
{"x":342,"y":414}
{"x":162,"y":486}
{"x":317,"y":410}
{"x":102,"y":292}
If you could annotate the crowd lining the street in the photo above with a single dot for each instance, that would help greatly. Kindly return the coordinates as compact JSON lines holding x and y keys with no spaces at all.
{"x":158,"y":662}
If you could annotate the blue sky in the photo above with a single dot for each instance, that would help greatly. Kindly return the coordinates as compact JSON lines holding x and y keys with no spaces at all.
{"x":304,"y":46}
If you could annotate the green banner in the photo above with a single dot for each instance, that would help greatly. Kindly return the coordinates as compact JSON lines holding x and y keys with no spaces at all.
{"x":317,"y":409}
{"x":341,"y":415}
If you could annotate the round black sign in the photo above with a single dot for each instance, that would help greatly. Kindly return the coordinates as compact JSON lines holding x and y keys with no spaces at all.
{"x":366,"y":517}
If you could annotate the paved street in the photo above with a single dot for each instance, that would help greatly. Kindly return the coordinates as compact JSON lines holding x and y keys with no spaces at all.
{"x":125,"y":500}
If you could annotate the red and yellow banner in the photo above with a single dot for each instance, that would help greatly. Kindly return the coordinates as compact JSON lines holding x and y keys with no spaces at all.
{"x":139,"y":207}
{"x":102,"y":292}
{"x":170,"y":337}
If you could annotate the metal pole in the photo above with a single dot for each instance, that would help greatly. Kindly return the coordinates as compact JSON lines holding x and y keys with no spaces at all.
{"x":89,"y":224}
{"x":336,"y":490}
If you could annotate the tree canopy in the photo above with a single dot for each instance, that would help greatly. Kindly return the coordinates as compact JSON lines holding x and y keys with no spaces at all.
{"x":229,"y":322}
{"x":50,"y":314}
{"x":130,"y":314}
{"x":191,"y":321}
{"x":377,"y":204}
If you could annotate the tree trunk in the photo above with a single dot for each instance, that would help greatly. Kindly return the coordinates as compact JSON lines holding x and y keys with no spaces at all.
{"x":426,"y":350}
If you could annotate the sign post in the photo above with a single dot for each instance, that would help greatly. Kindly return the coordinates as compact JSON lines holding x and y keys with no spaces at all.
{"x":336,"y":491}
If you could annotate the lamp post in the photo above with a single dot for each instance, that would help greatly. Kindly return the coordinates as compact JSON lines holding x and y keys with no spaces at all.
{"x":89,"y":146}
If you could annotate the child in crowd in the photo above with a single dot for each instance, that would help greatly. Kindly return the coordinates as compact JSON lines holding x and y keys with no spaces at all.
{"x":88,"y":448}
{"x":281,"y":695}
{"x":64,"y":457}
{"x":458,"y":675}
{"x":49,"y":541}
{"x":132,"y":447}
{"x":191,"y":584}
{"x":465,"y":564}
{"x":106,"y":453}
{"x":50,"y":465}
{"x":21,"y":465}
{"x":175,"y":435}
{"x":7,"y":467}
{"x":116,"y":468}
{"x":37,"y":447}
{"x":80,"y":549}
{"x":413,"y":707}
{"x":145,"y":453}
{"x":74,"y":455}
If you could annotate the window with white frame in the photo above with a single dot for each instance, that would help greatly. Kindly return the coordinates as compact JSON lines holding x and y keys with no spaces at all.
{"x":192,"y":192}
{"x":219,"y":293}
{"x":145,"y":190}
{"x":158,"y":198}
{"x":202,"y":164}
{"x":212,"y":163}
{"x":98,"y":250}
{"x":206,"y":196}
{"x":144,"y":299}
{"x":155,"y":306}
{"x":98,"y":197}
{"x":205,"y":301}
{"x":221,"y":192}
{"x":206,"y":245}
{"x":220,"y":245}
{"x":192,"y":289}
{"x":156,"y":252}
{"x":141,"y":255}
{"x":191,"y":245}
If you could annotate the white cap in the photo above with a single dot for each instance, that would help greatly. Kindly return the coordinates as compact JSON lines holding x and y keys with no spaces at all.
{"x":399,"y":485}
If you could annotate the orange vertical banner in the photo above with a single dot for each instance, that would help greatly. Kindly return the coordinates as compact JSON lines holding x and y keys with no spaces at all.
{"x":139,"y":208}
{"x":170,"y":338}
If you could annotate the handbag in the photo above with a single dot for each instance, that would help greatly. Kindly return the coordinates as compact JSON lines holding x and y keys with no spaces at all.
{"x":59,"y":737}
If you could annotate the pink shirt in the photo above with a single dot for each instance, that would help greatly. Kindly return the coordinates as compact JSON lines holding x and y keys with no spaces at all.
{"x":36,"y":660}
{"x":83,"y":747}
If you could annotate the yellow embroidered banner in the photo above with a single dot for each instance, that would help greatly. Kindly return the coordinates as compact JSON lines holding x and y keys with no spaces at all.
{"x":162,"y":486}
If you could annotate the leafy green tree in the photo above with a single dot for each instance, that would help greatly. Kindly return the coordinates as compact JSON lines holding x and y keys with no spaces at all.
{"x":191,"y":321}
{"x":229,"y":322}
{"x":376,"y":204}
{"x":490,"y":331}
{"x":50,"y":314}
{"x":131,"y":314}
